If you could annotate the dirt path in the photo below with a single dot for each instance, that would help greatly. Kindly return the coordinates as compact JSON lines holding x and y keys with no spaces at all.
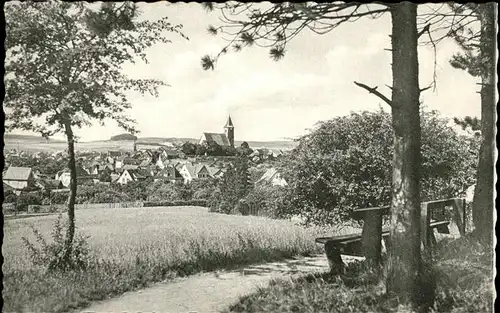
{"x":208,"y":292}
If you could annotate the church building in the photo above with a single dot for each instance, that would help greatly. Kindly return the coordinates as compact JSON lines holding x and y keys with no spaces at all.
{"x":225,"y":139}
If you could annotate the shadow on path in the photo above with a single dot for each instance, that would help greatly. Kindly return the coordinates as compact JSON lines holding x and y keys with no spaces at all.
{"x":213,"y":291}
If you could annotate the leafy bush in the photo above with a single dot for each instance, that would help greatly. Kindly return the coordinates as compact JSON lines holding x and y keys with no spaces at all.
{"x":101,"y":193}
{"x":168,"y":191}
{"x":59,"y":197}
{"x":203,"y":188}
{"x":36,"y":208}
{"x":268,"y":200}
{"x":9,"y":196}
{"x":345,"y":163}
{"x":52,"y":255}
{"x":27,"y":198}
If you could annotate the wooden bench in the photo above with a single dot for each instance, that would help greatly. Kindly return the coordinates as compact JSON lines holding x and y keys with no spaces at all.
{"x":368,"y":243}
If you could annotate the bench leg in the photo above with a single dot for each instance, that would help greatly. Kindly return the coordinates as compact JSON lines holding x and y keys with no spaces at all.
{"x":371,"y":237}
{"x":432,"y":237}
{"x":334,"y":258}
{"x":385,"y":244}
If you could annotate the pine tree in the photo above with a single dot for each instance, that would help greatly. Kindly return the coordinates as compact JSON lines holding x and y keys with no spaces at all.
{"x":478,"y":58}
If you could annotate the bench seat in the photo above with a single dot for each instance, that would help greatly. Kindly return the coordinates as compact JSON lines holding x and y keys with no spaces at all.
{"x":343,"y":240}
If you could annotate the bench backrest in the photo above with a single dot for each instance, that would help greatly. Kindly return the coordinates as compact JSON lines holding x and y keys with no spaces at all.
{"x":428,"y":208}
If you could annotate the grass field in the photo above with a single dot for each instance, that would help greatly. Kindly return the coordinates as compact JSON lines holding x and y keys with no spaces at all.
{"x":139,"y":246}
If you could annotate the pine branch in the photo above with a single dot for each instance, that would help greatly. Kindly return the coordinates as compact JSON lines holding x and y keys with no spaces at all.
{"x":425,"y":29}
{"x":374,"y":91}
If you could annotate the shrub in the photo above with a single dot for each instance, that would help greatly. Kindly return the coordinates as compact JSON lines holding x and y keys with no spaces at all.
{"x":52,"y":255}
{"x":9,"y":196}
{"x":269,"y":200}
{"x":345,"y":163}
{"x":59,"y":197}
{"x":203,"y":188}
{"x":101,"y":193}
{"x":28,"y":198}
{"x":36,"y":208}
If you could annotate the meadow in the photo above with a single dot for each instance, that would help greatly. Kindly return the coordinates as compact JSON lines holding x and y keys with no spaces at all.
{"x":134,"y":247}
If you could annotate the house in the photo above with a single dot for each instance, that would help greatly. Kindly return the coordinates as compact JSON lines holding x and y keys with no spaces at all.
{"x":95,"y":168}
{"x":146,"y":162}
{"x":225,"y":139}
{"x":129,"y":160}
{"x":126,"y":177}
{"x":65,"y":176}
{"x":49,"y":184}
{"x":114,"y":154}
{"x":197,"y":171}
{"x":7,"y":188}
{"x":272,"y":177}
{"x":19,"y":177}
{"x":129,"y":175}
{"x":118,"y":163}
{"x":169,"y":153}
{"x":129,"y":167}
{"x":114,"y":177}
{"x":216,"y":172}
{"x":169,"y":173}
{"x":276,"y":153}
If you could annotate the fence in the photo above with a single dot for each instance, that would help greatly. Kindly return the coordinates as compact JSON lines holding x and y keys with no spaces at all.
{"x":84,"y":206}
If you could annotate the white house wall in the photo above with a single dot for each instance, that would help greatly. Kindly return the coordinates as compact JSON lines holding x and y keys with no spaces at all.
{"x":16,"y":184}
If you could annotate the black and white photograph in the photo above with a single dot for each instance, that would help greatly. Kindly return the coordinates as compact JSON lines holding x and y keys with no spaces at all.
{"x":249,"y":157}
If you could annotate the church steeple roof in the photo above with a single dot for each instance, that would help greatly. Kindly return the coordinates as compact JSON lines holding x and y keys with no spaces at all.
{"x":229,"y":123}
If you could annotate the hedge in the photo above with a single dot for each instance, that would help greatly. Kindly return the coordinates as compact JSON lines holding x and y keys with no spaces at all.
{"x":197,"y":202}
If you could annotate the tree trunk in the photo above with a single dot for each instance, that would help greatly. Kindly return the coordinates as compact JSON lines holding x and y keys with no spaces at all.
{"x":70,"y":234}
{"x":404,"y":264}
{"x":482,"y":213}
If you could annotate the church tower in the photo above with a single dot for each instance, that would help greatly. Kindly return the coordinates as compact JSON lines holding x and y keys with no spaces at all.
{"x":229,"y":127}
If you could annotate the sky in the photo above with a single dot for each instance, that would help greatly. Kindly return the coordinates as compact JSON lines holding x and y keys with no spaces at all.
{"x":270,"y":100}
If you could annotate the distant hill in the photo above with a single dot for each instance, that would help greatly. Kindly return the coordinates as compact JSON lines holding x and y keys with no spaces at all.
{"x":123,"y":137}
{"x":29,"y":138}
{"x":37,"y":143}
{"x":282,"y":145}
{"x":166,"y":139}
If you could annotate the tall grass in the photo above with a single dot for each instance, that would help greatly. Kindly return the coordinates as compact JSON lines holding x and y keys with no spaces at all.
{"x":133,"y":247}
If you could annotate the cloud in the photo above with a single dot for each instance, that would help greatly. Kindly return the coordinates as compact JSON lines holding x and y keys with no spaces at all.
{"x":268,"y":99}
